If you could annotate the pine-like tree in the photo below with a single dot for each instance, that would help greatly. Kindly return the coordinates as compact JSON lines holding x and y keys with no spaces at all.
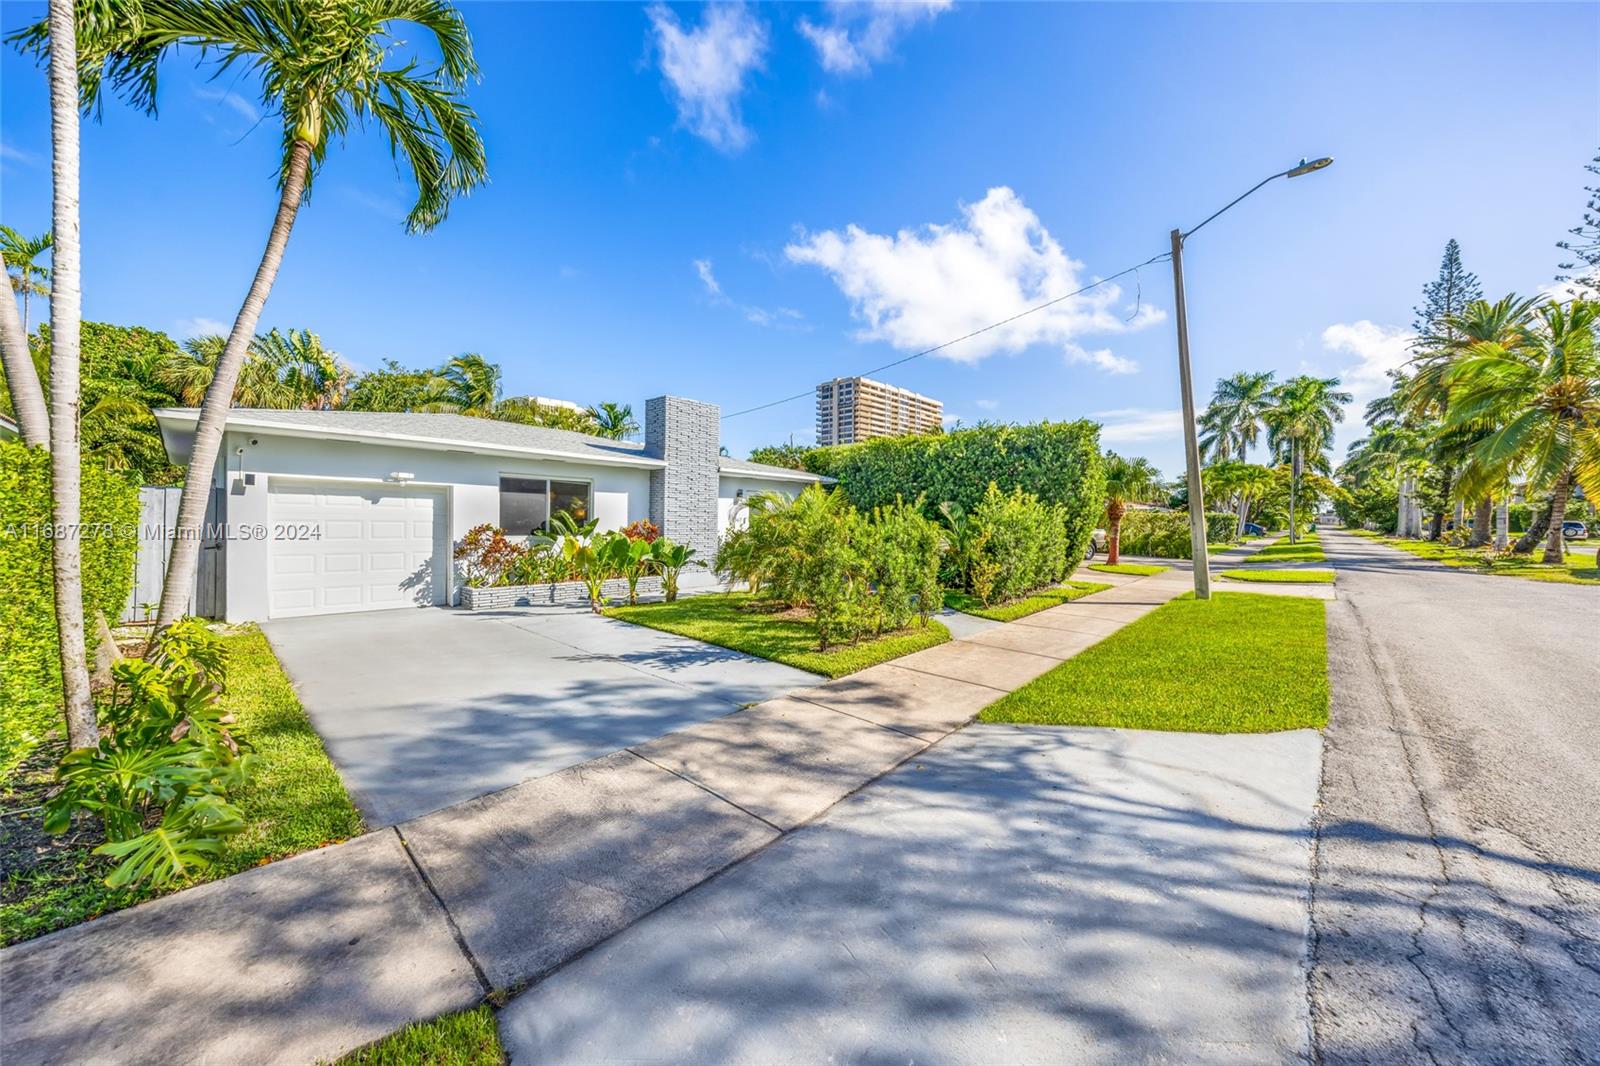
{"x":1584,"y":269}
{"x":1455,"y":288}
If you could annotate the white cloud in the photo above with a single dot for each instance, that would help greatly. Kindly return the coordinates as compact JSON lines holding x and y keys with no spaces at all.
{"x":244,"y":108}
{"x":1129,"y":425}
{"x":919,"y":288}
{"x":785,"y":318}
{"x":859,"y":33}
{"x":706,"y":68}
{"x":1378,"y":349}
{"x":11,"y":152}
{"x":987,"y":405}
{"x":1103,"y":358}
{"x":185,"y":328}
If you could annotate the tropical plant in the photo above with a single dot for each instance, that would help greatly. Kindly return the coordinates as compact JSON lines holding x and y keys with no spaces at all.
{"x":1010,"y":544}
{"x":631,"y":558}
{"x":643,"y":529}
{"x":1232,"y":423}
{"x":466,"y":385}
{"x":1127,"y":481}
{"x":672,"y":559}
{"x":28,"y":275}
{"x":486,"y":555}
{"x":1300,"y":429}
{"x":315,"y":378}
{"x":1243,"y":481}
{"x":169,"y":756}
{"x":614,"y":420}
{"x":322,"y":69}
{"x":1544,"y":397}
{"x":22,"y":387}
{"x":791,"y":455}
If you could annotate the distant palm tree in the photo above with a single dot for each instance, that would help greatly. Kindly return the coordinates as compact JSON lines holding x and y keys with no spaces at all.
{"x":614,"y":420}
{"x":1127,"y":481}
{"x":1300,"y":429}
{"x":1544,"y":395}
{"x":28,"y":275}
{"x":1232,"y":421}
{"x":323,"y":68}
{"x":466,"y":385}
{"x":314,"y":377}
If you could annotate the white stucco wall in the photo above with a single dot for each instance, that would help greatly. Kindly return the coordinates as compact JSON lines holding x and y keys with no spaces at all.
{"x":470,"y":483}
{"x":731,"y":485}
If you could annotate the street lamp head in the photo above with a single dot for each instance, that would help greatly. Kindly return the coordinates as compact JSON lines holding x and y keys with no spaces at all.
{"x":1306,"y":167}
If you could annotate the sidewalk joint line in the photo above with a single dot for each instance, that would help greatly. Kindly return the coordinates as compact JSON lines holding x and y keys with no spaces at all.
{"x":880,"y":725}
{"x":450,"y":919}
{"x":708,"y":791}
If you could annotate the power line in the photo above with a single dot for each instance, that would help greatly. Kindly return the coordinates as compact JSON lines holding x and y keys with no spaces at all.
{"x":963,"y":337}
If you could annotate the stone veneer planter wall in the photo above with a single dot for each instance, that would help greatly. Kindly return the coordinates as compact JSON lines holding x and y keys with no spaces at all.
{"x":489,"y":599}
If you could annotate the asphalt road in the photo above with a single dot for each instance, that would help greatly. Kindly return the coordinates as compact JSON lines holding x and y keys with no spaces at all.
{"x":1456,"y":905}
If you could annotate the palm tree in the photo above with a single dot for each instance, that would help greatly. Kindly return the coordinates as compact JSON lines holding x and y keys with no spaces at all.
{"x":322,"y":69}
{"x":1300,"y":429}
{"x":1544,"y":395}
{"x":22,"y":376}
{"x":467,"y":385}
{"x":313,"y":377}
{"x":614,"y":420}
{"x":66,"y":318}
{"x":1127,"y":481}
{"x":28,"y":276}
{"x":1232,"y":421}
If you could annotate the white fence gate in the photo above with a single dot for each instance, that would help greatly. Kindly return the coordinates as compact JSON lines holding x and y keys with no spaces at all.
{"x":158,"y":516}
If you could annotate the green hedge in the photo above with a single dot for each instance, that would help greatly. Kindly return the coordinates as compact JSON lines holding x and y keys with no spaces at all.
{"x":1008,"y":546}
{"x":1165,"y":534}
{"x":30,"y":668}
{"x":1059,"y":462}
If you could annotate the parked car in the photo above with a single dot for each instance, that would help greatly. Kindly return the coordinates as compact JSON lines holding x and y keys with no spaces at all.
{"x":1574,"y":530}
{"x":1097,"y":544}
{"x":1253,"y":530}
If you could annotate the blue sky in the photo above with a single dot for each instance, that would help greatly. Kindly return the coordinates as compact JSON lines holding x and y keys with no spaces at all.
{"x":986,"y":155}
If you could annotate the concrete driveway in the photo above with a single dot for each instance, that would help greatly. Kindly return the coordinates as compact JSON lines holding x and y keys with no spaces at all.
{"x":1012,"y":895}
{"x":424,"y":708}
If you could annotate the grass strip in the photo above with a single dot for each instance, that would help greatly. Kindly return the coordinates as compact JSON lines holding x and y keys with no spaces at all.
{"x":1038,"y":601}
{"x":1284,"y":577}
{"x":1132,"y":569}
{"x":1239,"y":662}
{"x":295,"y":802}
{"x":465,"y":1039}
{"x":1308,"y":550}
{"x":1576,"y":569}
{"x":746,"y":623}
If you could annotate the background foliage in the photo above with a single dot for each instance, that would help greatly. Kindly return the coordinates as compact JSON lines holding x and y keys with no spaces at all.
{"x":1165,"y":534}
{"x":30,"y":668}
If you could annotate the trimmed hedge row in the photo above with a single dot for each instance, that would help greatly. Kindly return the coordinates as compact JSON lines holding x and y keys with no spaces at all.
{"x":1059,"y":462}
{"x":30,"y":667}
{"x":1008,"y":546}
{"x":1165,"y":534}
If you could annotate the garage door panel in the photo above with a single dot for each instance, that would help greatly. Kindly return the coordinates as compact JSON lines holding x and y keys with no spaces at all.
{"x":372,"y":547}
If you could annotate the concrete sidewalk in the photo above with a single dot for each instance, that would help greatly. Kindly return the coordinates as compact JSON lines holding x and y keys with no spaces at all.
{"x":308,"y":958}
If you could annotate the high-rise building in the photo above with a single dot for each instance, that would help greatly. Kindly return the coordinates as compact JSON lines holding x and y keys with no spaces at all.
{"x":854,"y":409}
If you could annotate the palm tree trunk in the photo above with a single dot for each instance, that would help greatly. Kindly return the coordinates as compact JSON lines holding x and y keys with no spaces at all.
{"x":65,"y":325}
{"x":185,"y":558}
{"x":1558,"y":514}
{"x":1294,"y":478}
{"x":1114,"y":511}
{"x":1535,"y":532}
{"x":22,"y":377}
{"x":1482,"y":519}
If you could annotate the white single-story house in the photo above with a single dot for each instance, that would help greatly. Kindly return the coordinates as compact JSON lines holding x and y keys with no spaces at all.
{"x":323,"y":512}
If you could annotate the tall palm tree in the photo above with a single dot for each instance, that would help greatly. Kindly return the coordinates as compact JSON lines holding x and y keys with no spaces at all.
{"x":322,"y":69}
{"x":22,"y":376}
{"x":1232,"y":421}
{"x":28,"y":275}
{"x":614,"y":420}
{"x":66,"y":319}
{"x":1300,"y":429}
{"x":1544,"y":395}
{"x":1127,"y":481}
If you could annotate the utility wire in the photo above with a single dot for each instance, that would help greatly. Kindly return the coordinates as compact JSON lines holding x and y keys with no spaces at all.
{"x":966,"y":336}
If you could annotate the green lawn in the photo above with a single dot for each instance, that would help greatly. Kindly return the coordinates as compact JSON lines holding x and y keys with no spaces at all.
{"x":1579,"y":568}
{"x":296,"y":802}
{"x":1286,"y":577}
{"x":745,"y":623}
{"x":465,"y":1039}
{"x":1237,"y":663}
{"x":1065,"y":592}
{"x":1134,"y":569}
{"x":1309,"y":550}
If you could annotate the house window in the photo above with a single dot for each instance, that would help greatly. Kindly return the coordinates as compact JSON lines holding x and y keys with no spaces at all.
{"x":526,"y":503}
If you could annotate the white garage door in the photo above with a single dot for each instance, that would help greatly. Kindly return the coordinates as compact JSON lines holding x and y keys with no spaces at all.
{"x":341,"y":548}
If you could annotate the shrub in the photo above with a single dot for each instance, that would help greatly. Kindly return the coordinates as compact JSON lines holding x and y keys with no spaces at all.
{"x":643,"y":529}
{"x":1059,"y":462}
{"x":1165,"y":534}
{"x":30,"y":664}
{"x":486,"y":555}
{"x":1007,"y":546}
{"x":854,"y":574}
{"x":672,"y":559}
{"x":168,"y":757}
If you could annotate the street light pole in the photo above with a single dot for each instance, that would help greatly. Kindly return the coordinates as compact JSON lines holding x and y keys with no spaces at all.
{"x":1191,"y":444}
